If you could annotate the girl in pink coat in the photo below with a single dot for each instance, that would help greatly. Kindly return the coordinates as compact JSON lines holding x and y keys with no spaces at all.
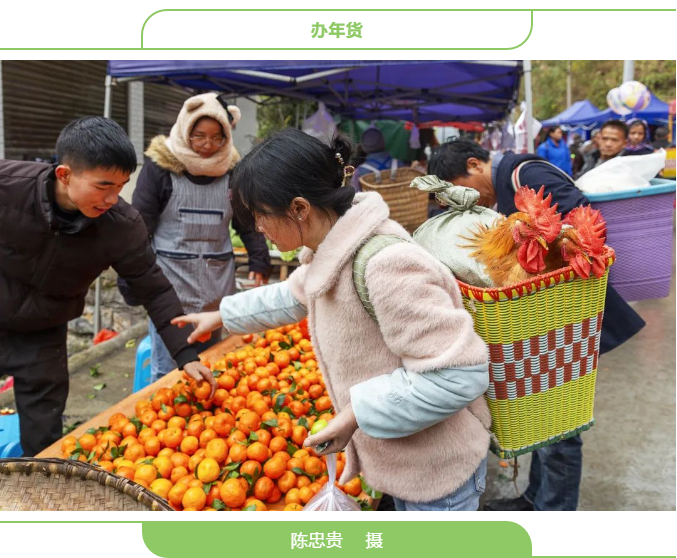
{"x":408,"y":386}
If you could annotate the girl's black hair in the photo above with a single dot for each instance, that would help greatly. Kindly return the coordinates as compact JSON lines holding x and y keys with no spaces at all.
{"x":552,"y":130}
{"x":288,"y":165}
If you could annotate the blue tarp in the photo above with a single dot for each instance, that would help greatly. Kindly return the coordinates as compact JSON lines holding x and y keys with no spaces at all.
{"x":448,"y":90}
{"x":580,"y":110}
{"x":656,"y":113}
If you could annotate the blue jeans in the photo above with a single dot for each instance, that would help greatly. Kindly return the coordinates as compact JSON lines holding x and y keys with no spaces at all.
{"x":161,"y":361}
{"x":466,"y":497}
{"x":555,"y":476}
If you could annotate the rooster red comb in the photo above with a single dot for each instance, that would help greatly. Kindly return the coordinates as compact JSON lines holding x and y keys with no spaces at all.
{"x":545,"y":218}
{"x":590,"y":228}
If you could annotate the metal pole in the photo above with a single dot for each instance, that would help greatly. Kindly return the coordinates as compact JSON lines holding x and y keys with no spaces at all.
{"x":568,"y":83}
{"x":628,"y":70}
{"x":97,"y":285}
{"x":530,"y":106}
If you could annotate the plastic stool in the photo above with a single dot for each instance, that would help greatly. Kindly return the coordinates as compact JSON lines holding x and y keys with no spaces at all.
{"x":10,"y":445}
{"x":142,"y":370}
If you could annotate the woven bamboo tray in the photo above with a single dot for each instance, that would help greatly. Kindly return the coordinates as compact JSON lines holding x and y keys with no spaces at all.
{"x":28,"y":484}
{"x":408,"y":206}
{"x":543,"y":337}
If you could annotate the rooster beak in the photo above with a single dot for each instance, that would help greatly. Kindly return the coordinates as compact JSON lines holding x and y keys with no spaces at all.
{"x":542,"y":242}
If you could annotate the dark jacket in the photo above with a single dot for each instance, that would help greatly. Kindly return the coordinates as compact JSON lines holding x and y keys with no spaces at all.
{"x":46,"y":267}
{"x":154,"y":189}
{"x":621,"y":322}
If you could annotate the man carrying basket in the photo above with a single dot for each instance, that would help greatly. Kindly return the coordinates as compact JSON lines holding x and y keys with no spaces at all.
{"x":555,"y":476}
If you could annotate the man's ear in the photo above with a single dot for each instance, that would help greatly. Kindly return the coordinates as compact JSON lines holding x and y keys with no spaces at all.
{"x":63,"y":173}
{"x":473,"y":163}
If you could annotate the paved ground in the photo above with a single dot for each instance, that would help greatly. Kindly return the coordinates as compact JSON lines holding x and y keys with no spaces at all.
{"x":629,"y":456}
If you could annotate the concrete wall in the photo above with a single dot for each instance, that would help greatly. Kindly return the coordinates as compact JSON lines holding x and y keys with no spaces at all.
{"x":245,"y":133}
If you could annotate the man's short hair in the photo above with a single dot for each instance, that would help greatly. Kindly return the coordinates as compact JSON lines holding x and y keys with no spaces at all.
{"x":661,"y":133}
{"x":95,"y":142}
{"x":618,"y":124}
{"x":450,"y":160}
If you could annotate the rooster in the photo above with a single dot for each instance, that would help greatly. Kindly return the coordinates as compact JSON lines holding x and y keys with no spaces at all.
{"x":580,"y":244}
{"x":514,"y":248}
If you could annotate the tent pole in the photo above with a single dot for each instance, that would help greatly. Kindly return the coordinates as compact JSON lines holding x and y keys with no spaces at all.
{"x":97,"y":286}
{"x":628,"y":70}
{"x":530,"y":106}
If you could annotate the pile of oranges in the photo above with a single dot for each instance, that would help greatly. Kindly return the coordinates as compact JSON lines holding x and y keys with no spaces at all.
{"x":240,"y":450}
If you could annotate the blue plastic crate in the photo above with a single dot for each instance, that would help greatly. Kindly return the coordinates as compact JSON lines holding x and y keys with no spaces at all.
{"x":142,"y":369}
{"x":10,"y":445}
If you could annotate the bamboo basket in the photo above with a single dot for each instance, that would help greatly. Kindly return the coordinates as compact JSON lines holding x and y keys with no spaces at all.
{"x":543,"y":337}
{"x":28,"y":484}
{"x":408,"y":206}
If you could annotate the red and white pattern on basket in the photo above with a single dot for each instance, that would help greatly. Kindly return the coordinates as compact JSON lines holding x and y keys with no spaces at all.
{"x":544,"y":362}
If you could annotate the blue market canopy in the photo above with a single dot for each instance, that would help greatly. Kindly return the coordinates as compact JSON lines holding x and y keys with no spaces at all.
{"x":579,"y":111}
{"x":448,"y":90}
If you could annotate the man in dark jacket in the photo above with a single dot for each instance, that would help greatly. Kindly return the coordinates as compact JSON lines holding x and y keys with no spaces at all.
{"x":60,"y":227}
{"x":555,"y":476}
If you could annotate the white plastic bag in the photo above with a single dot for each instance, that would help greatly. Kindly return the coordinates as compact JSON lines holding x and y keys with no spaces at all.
{"x":320,"y":125}
{"x":622,"y":173}
{"x":330,"y":498}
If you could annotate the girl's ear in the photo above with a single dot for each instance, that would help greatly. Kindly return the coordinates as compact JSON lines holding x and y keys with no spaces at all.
{"x":299,"y":209}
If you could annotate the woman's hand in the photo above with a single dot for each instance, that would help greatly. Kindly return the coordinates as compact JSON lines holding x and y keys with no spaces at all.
{"x":258,"y":278}
{"x":199,"y":372}
{"x":204,"y":322}
{"x":339,"y":432}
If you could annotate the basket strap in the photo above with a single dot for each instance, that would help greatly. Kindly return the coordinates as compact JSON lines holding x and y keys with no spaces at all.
{"x":393,"y":170}
{"x":369,"y":249}
{"x":374,"y":170}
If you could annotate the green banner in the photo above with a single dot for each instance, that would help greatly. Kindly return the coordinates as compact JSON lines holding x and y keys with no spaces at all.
{"x":410,"y":539}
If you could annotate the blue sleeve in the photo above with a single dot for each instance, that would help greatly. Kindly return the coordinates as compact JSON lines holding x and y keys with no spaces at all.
{"x":402,"y":403}
{"x":563,"y":191}
{"x":262,"y":308}
{"x":541,"y":151}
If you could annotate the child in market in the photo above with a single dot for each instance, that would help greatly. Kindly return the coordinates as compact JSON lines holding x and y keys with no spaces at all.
{"x":639,"y":142}
{"x":406,"y":384}
{"x":183,"y":195}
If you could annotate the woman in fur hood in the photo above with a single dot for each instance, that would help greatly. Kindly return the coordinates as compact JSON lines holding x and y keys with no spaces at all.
{"x":183,"y":193}
{"x":407,"y":376}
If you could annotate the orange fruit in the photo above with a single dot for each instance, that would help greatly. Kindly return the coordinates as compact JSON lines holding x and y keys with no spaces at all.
{"x":264,"y":436}
{"x":274,"y":468}
{"x":179,"y":459}
{"x":134,"y":451}
{"x":286,"y":482}
{"x":251,"y":468}
{"x":263,"y":488}
{"x":299,"y":434}
{"x":223,"y":424}
{"x":294,"y":462}
{"x":282,"y":359}
{"x":87,"y":441}
{"x":164,"y":466}
{"x":258,"y":452}
{"x":293,"y":507}
{"x":126,"y":472}
{"x":226,"y":382}
{"x":213,"y":493}
{"x":176,"y":422}
{"x":305,"y":494}
{"x":235,"y":437}
{"x":313,"y":466}
{"x":208,"y":470}
{"x":152,"y":446}
{"x":189,"y":445}
{"x":202,"y":390}
{"x":232,"y":494}
{"x":217,"y":449}
{"x":260,"y":506}
{"x":195,"y":428}
{"x":275,"y":496}
{"x":278,"y":443}
{"x":194,"y":461}
{"x":292,"y":496}
{"x":178,"y":473}
{"x":194,"y":498}
{"x":129,"y":430}
{"x":353,"y":487}
{"x":301,"y":454}
{"x":249,"y":422}
{"x":283,"y":455}
{"x":302,"y":481}
{"x":146,"y":473}
{"x":314,"y":487}
{"x":173,"y":437}
{"x":207,"y":436}
{"x":237,"y":453}
{"x":161,"y":487}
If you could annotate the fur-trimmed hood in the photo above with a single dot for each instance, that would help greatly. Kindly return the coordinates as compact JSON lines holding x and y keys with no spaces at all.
{"x":158,"y":151}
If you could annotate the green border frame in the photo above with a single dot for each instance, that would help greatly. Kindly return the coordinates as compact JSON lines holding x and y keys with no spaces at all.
{"x":530,"y":10}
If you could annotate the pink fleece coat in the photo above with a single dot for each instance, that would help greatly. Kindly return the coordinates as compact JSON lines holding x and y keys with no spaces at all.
{"x":423,"y":327}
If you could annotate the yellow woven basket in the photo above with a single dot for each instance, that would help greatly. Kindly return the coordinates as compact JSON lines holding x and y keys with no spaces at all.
{"x":543,"y":337}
